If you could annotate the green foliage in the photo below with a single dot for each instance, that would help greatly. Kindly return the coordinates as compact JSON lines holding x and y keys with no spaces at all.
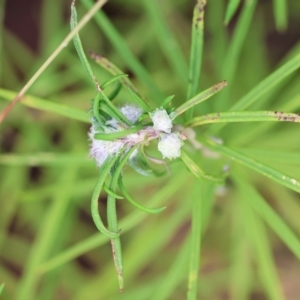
{"x":235,"y":184}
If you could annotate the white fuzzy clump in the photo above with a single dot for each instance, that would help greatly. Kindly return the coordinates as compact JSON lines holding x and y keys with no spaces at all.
{"x":170,"y":145}
{"x":100,"y":150}
{"x":161,"y":120}
{"x":131,"y":112}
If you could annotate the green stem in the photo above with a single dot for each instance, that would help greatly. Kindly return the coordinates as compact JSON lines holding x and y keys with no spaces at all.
{"x":195,"y":241}
{"x":104,"y":170}
{"x":114,"y":70}
{"x":136,"y":204}
{"x":197,"y":171}
{"x":198,"y":99}
{"x":116,"y":135}
{"x":251,"y":163}
{"x":113,"y":220}
{"x":244,"y":116}
{"x":196,"y":52}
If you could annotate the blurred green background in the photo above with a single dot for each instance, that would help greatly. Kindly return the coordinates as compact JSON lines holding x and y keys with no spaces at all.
{"x":49,"y":246}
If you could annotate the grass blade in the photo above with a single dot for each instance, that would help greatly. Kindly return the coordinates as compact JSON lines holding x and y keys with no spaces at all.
{"x":253,"y":164}
{"x":199,"y":195}
{"x":112,"y":217}
{"x":114,"y":70}
{"x":78,"y":45}
{"x":233,"y":54}
{"x":232,"y":7}
{"x":244,"y":116}
{"x":136,"y":204}
{"x":166,"y":39}
{"x":198,"y":99}
{"x":263,"y":253}
{"x":104,"y":170}
{"x":44,"y":105}
{"x":280,"y":14}
{"x":197,"y":171}
{"x":264,"y":86}
{"x":119,"y":134}
{"x":196,"y":52}
{"x":271,"y":218}
{"x":128,"y":223}
{"x":124,"y":51}
{"x":61,"y":46}
{"x":44,"y":159}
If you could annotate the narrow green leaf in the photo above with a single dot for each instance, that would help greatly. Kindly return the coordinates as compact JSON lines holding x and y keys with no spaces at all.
{"x":198,"y":99}
{"x":268,"y":83}
{"x":234,"y":50}
{"x":115,"y":91}
{"x":112,"y":216}
{"x":114,"y":70}
{"x":44,"y":105}
{"x":124,"y":51}
{"x":44,"y":159}
{"x":113,"y":112}
{"x":264,"y":86}
{"x":262,"y":250}
{"x":198,"y":198}
{"x":104,"y":171}
{"x":196,"y":170}
{"x":138,"y":100}
{"x":196,"y":52}
{"x":112,"y":80}
{"x":259,"y":167}
{"x":280,"y":14}
{"x":271,"y":218}
{"x":136,"y":204}
{"x":116,"y":135}
{"x":167,"y":101}
{"x":166,"y":39}
{"x":96,"y":110}
{"x":230,"y":10}
{"x":78,"y":45}
{"x":244,"y":116}
{"x":50,"y":59}
{"x":111,"y":193}
{"x":129,"y":222}
{"x":1,"y":288}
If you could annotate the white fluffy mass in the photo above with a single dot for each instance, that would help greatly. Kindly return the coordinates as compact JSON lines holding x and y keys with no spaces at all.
{"x":100,"y":150}
{"x":169,"y":145}
{"x":161,"y":120}
{"x":131,"y":112}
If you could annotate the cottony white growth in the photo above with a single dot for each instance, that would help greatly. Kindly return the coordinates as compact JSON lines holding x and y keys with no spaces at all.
{"x":161,"y":120}
{"x":169,"y":142}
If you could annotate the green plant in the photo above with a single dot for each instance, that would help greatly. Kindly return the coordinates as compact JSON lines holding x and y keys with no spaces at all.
{"x":201,"y":156}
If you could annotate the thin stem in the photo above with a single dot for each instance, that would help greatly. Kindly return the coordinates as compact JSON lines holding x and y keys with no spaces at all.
{"x":113,"y":220}
{"x":244,"y":116}
{"x":117,"y":135}
{"x":196,"y":52}
{"x":136,"y":204}
{"x":255,"y":165}
{"x":199,"y":98}
{"x":108,"y":164}
{"x":63,"y":44}
{"x":195,"y":240}
{"x":197,"y":171}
